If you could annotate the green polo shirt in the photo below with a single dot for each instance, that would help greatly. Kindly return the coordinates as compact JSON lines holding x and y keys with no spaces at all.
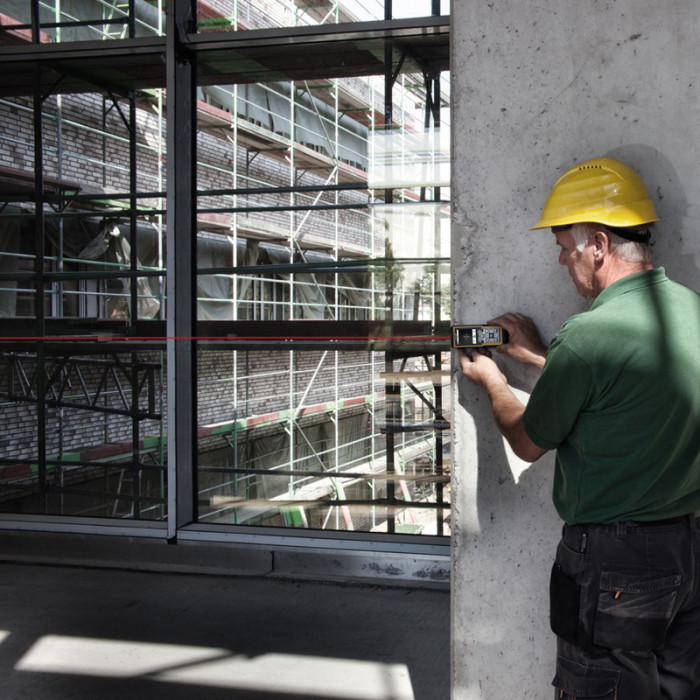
{"x":619,"y":399}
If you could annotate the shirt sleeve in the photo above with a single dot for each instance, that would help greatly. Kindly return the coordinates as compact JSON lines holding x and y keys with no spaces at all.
{"x":561,"y":394}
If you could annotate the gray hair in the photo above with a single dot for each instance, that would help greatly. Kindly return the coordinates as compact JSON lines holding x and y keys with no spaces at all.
{"x":629,"y":251}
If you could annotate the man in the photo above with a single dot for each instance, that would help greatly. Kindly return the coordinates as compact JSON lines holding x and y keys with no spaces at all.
{"x":619,"y":400}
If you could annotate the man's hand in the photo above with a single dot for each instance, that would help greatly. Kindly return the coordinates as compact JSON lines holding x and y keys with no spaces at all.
{"x":480,"y":369}
{"x":524,"y":342}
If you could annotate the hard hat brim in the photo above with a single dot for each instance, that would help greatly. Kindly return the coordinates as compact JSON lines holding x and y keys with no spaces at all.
{"x":631,"y":214}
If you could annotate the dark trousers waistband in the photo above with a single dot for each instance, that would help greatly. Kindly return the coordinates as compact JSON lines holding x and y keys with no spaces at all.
{"x":692,"y":520}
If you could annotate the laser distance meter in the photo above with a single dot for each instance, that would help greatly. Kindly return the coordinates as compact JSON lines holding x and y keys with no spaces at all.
{"x":478,"y":336}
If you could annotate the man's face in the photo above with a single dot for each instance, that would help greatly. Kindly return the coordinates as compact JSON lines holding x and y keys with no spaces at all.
{"x":579,"y":263}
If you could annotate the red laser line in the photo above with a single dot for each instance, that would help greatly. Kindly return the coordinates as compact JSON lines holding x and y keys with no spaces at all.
{"x":75,"y":338}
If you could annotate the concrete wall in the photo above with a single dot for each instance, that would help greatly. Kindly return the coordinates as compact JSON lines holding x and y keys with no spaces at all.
{"x":536,"y":87}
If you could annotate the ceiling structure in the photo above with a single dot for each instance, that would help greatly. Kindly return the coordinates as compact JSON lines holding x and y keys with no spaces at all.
{"x":228,"y":58}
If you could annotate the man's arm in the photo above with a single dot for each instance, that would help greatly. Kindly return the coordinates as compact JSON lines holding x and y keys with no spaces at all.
{"x":507,"y":409}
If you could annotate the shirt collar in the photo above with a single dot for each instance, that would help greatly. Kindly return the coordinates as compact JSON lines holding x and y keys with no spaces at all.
{"x":637,"y":280}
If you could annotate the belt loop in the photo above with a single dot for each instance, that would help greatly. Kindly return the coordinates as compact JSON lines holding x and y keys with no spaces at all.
{"x":621,"y":530}
{"x":693,"y":521}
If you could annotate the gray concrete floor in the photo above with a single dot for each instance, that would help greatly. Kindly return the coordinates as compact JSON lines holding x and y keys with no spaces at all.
{"x":76,"y":633}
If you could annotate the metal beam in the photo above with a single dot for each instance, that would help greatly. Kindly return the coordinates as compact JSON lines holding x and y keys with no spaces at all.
{"x":181,"y":245}
{"x":65,"y":385}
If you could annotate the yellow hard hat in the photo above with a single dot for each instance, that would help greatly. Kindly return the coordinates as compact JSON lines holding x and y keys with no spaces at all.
{"x":602,"y":191}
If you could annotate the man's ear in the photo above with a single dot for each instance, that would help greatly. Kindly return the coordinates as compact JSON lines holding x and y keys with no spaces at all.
{"x":601,"y":244}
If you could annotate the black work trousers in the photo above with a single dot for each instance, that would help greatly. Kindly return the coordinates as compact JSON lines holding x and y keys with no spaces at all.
{"x":625,"y":606}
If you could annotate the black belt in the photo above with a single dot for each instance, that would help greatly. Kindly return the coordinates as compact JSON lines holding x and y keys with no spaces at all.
{"x":664,"y":521}
{"x":689,"y":518}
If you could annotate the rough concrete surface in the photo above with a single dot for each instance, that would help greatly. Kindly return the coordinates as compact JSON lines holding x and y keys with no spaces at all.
{"x":537,"y":87}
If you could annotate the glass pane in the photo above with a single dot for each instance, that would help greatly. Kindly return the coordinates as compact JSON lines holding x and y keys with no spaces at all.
{"x":299,"y":440}
{"x":93,"y":230}
{"x":321,"y":284}
{"x":93,"y":20}
{"x":100,"y":428}
{"x":248,"y":14}
{"x":84,"y":20}
{"x":87,"y":434}
{"x":314,"y":212}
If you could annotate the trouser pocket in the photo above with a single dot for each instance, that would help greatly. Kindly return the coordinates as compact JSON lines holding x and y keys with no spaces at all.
{"x":634,"y":607}
{"x":565,"y":608}
{"x":575,"y":680}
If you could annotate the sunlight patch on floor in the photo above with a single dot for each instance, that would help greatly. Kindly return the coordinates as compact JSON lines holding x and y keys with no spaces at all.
{"x":273,"y":673}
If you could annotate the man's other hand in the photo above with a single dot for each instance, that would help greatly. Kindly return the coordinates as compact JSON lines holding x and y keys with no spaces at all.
{"x":524,"y":342}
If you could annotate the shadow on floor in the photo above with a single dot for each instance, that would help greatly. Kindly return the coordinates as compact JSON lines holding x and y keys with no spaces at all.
{"x":73,"y":633}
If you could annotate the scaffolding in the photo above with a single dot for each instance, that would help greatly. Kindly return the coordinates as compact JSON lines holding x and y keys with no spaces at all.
{"x":277,"y":296}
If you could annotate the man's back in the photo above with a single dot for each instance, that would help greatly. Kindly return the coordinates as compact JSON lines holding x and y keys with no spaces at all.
{"x":619,"y":398}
